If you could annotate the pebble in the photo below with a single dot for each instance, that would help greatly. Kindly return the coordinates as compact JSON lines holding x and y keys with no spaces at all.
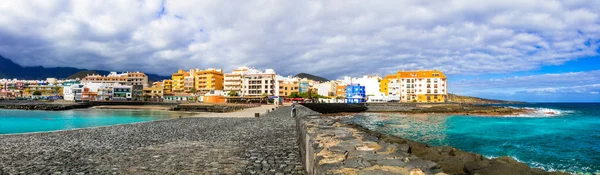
{"x":177,"y":146}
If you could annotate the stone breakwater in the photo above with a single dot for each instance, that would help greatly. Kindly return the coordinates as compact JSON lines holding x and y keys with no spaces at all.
{"x":328,"y":146}
{"x":416,"y":108}
{"x":42,"y":106}
{"x":219,"y":108}
{"x":188,"y":107}
{"x":265,"y":145}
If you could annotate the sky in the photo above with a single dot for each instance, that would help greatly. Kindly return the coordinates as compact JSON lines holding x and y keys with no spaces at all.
{"x":526,"y":50}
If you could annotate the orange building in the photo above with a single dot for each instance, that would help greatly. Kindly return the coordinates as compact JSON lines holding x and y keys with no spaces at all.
{"x":340,"y":91}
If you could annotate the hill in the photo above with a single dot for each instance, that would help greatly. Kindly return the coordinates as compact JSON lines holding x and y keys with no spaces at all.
{"x":476,"y":100}
{"x":312,"y":77}
{"x":9,"y":69}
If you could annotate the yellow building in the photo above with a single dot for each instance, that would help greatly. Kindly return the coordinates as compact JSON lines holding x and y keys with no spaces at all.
{"x":178,"y":81}
{"x":209,"y":79}
{"x":154,"y":93}
{"x":421,"y":86}
{"x":384,"y":84}
{"x":287,"y":87}
{"x":46,"y":90}
{"x":168,"y":86}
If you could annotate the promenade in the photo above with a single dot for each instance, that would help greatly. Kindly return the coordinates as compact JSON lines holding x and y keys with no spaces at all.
{"x":195,"y":145}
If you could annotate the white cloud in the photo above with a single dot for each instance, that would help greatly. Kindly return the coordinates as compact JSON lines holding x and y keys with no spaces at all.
{"x":572,"y":86}
{"x":329,"y":38}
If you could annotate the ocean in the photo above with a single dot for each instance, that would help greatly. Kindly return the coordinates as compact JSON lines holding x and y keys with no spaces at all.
{"x":558,"y":137}
{"x":23,"y":121}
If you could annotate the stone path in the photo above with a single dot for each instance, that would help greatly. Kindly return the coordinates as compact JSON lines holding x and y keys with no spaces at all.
{"x":244,"y":113}
{"x":265,"y":145}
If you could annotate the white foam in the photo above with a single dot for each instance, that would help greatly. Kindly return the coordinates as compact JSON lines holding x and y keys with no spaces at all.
{"x":541,"y":112}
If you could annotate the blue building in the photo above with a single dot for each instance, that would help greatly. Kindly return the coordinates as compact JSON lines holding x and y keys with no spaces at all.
{"x":304,"y":86}
{"x":355,"y":94}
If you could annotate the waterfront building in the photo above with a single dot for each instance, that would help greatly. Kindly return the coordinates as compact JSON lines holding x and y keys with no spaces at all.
{"x":136,"y":78}
{"x":258,"y":83}
{"x":72,"y":92}
{"x":167,"y":86}
{"x":45,"y":90}
{"x":154,"y":93}
{"x":422,"y":86}
{"x":305,"y":85}
{"x":340,"y":90}
{"x":177,"y":97}
{"x":137,"y":92}
{"x":214,"y":96}
{"x":326,"y":89}
{"x":287,"y":86}
{"x":178,"y":81}
{"x":189,"y":82}
{"x":233,"y":81}
{"x":208,"y":79}
{"x":128,"y":78}
{"x":355,"y":93}
{"x":122,"y":93}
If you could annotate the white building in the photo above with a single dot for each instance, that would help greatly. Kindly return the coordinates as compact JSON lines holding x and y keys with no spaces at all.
{"x":326,"y":89}
{"x":257,"y":83}
{"x":233,"y":81}
{"x":128,"y":78}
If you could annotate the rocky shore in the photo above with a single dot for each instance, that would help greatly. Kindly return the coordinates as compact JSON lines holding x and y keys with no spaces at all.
{"x":417,"y":108}
{"x":188,"y":107}
{"x":331,"y":146}
{"x":454,"y":161}
{"x":33,"y":105}
{"x":264,"y":145}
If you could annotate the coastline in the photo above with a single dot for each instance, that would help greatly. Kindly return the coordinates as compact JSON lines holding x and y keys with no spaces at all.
{"x":137,"y":107}
{"x":333,"y":135}
{"x":455,"y":161}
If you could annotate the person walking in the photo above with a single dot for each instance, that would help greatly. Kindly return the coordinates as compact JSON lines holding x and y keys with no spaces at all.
{"x":293,"y":112}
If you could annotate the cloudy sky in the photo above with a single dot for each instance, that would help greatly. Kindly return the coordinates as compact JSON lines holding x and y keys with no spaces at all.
{"x":530,"y":50}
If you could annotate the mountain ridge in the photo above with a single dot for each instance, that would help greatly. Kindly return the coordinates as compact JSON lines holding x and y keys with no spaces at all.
{"x":311,"y":77}
{"x":10,"y":69}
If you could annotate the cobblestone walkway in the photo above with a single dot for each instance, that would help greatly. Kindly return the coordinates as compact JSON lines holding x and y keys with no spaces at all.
{"x":265,"y":145}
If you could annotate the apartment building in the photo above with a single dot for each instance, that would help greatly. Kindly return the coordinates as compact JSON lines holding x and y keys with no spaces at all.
{"x":233,"y":81}
{"x":154,"y":93}
{"x":178,"y":81}
{"x":390,"y":87}
{"x":422,"y":86}
{"x":340,"y":90}
{"x":257,"y":83}
{"x":136,"y":78}
{"x":167,"y":86}
{"x":189,"y":82}
{"x":128,"y":78}
{"x":287,"y":86}
{"x":327,"y":89}
{"x":208,"y":79}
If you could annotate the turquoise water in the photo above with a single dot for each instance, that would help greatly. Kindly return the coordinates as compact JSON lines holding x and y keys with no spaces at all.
{"x":558,"y":137}
{"x":21,"y":121}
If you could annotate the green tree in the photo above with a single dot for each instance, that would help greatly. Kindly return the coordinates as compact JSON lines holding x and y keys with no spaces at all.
{"x":193,"y":90}
{"x":294,"y":95}
{"x":233,"y":94}
{"x":37,"y":92}
{"x":265,"y":95}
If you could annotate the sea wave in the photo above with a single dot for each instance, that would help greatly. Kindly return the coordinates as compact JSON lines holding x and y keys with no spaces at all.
{"x":541,"y":112}
{"x":533,"y":164}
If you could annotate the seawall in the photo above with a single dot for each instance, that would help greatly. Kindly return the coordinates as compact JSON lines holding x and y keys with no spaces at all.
{"x":57,"y":106}
{"x":417,"y":108}
{"x":329,"y":146}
